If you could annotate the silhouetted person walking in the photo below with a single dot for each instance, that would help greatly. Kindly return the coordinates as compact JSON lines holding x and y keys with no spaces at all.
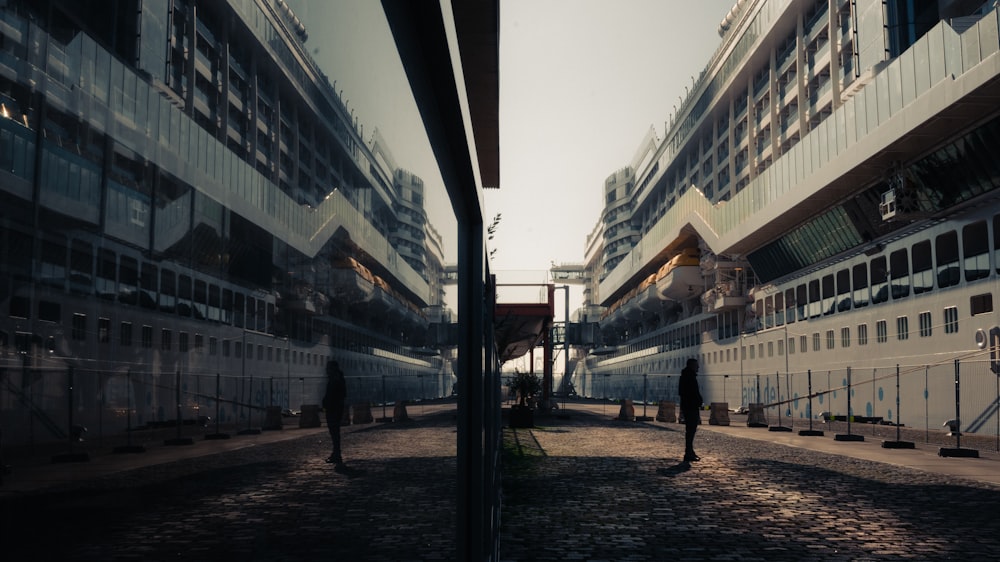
{"x":691,"y":401}
{"x":333,"y":403}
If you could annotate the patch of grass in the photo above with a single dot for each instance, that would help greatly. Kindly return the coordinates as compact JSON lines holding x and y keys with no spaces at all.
{"x":520,"y":446}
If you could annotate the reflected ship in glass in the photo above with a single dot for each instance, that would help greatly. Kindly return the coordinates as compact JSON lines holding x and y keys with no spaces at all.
{"x":192,"y":224}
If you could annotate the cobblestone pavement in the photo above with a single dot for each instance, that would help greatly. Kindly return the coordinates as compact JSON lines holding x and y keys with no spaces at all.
{"x":277,"y":501}
{"x":579,"y":486}
{"x":590,"y":489}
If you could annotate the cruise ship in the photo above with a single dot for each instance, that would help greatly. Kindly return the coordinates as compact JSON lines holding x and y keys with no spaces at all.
{"x":193,"y":223}
{"x":818,"y":224}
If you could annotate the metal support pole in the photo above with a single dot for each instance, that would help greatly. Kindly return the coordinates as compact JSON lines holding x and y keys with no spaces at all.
{"x":810,"y":432}
{"x":73,"y":434}
{"x":69,"y":406}
{"x":129,"y":447}
{"x":218,"y":401}
{"x":958,"y":409}
{"x":177,"y":395}
{"x":249,"y":398}
{"x":644,"y":375}
{"x":848,"y":436}
{"x":897,"y":444}
{"x":850,"y":413}
{"x":128,"y":404}
{"x":898,"y":422}
{"x":956,"y":424}
{"x":809,"y":375}
{"x":780,"y":426}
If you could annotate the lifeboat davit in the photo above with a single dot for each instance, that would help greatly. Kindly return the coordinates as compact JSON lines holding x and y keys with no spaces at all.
{"x":680,"y":278}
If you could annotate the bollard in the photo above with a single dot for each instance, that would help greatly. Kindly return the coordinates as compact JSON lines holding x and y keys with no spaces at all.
{"x":718,"y":413}
{"x":627,"y":411}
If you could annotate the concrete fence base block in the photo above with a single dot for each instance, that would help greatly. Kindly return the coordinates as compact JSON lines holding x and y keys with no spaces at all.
{"x":718,"y":413}
{"x":361,"y":413}
{"x":399,"y":412}
{"x":273,"y":418}
{"x":627,"y":411}
{"x":309,"y":416}
{"x":755,"y":416}
{"x":667,"y":412}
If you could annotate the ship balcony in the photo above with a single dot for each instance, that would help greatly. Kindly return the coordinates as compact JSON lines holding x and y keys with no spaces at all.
{"x":715,"y":302}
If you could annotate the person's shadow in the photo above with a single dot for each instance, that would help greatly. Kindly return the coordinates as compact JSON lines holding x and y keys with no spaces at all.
{"x":348,"y":471}
{"x":678,"y":468}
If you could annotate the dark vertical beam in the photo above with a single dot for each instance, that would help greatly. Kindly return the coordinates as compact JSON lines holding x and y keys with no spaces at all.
{"x":420,"y":35}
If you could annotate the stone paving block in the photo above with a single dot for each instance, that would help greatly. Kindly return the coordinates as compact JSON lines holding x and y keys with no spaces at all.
{"x":597,"y":490}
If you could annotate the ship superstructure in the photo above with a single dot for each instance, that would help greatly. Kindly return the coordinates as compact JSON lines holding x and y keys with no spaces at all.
{"x":824,"y":199}
{"x":186,"y":196}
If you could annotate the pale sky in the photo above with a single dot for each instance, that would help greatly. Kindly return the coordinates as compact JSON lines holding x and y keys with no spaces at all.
{"x":581,"y":81}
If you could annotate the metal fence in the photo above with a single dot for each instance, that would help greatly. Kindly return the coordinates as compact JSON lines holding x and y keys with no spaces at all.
{"x":44,"y":404}
{"x":921,"y":397}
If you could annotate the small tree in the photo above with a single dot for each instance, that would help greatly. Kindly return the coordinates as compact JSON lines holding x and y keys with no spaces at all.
{"x":526,"y":385}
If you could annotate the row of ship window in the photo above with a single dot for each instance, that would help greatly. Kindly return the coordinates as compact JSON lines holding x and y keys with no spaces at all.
{"x":829,"y":340}
{"x":125,"y":279}
{"x":873,"y":282}
{"x":51,"y":312}
{"x":184,"y":343}
{"x":905,"y":271}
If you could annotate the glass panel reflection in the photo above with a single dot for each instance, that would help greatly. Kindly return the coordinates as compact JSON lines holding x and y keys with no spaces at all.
{"x":224,"y":177}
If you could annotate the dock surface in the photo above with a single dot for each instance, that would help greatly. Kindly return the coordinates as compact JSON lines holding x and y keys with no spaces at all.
{"x":580,"y":485}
